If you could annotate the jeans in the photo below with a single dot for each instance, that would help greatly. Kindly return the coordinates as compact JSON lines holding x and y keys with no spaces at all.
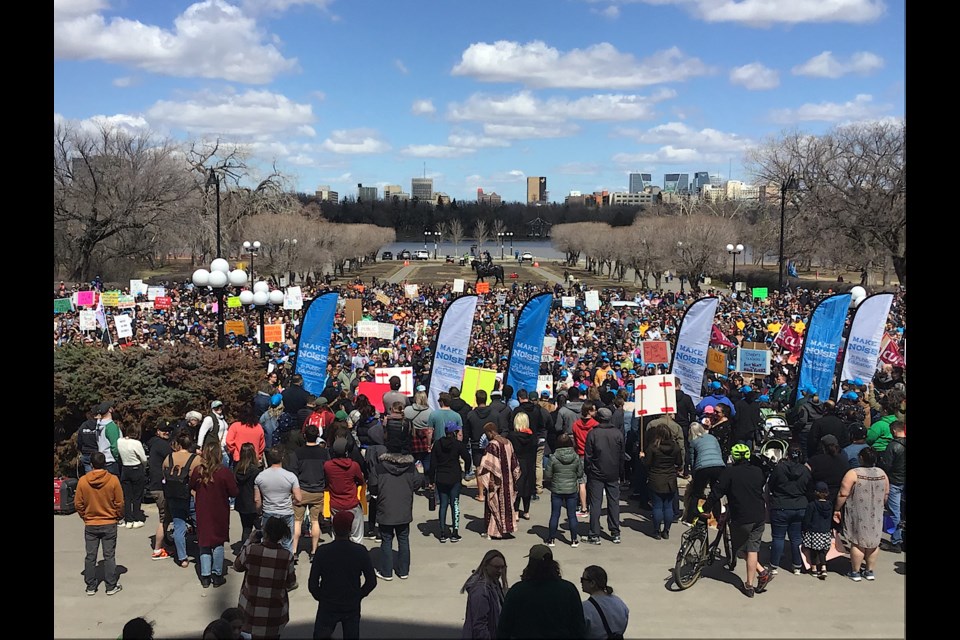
{"x":662,"y":510}
{"x":893,"y":504}
{"x":784,"y":522}
{"x":556,"y":502}
{"x":326,"y":621}
{"x":595,"y":490}
{"x":179,"y":511}
{"x":449,"y":495}
{"x":402,"y":532}
{"x":114,"y":468}
{"x":287,"y":543}
{"x":208,"y":553}
{"x":85,"y":460}
{"x":93,"y":537}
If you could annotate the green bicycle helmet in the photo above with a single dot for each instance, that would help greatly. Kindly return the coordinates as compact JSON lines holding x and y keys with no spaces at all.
{"x":740,"y":451}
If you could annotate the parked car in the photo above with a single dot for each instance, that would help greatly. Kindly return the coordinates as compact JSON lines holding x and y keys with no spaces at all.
{"x":448,"y":259}
{"x":404,"y":255}
{"x":387,"y":255}
{"x":526,"y":257}
{"x":422,"y":254}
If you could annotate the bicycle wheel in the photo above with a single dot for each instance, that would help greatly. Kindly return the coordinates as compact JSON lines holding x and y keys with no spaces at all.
{"x":690,"y":558}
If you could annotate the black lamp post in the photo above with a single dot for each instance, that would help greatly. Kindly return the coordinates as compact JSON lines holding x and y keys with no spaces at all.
{"x":253,"y":248}
{"x":214,"y":179}
{"x":509,"y":234}
{"x":500,"y":235}
{"x":734,"y":251}
{"x":790,"y":184}
{"x":436,"y":243}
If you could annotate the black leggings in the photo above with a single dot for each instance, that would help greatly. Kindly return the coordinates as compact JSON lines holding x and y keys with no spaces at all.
{"x":248,"y":521}
{"x":817,"y":559}
{"x":526,"y":504}
{"x":702,"y":478}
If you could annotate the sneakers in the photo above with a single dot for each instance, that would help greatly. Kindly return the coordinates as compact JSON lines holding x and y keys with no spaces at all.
{"x":551,"y":543}
{"x":128,"y":525}
{"x":774,"y":571}
{"x":159,"y":554}
{"x":575,"y":543}
{"x":444,"y":537}
{"x":583,"y":514}
{"x":137,"y":524}
{"x":593,"y":540}
{"x":91,"y":591}
{"x":455,"y":536}
{"x":381,"y":576}
{"x":868,"y":575}
{"x":121,"y":523}
{"x":856,"y":577}
{"x":205,"y":582}
{"x":821,"y":575}
{"x":402,"y":577}
{"x":665,"y":535}
{"x":371,"y":535}
{"x":117,"y":588}
{"x":616,"y":539}
{"x":765,"y":578}
{"x":748,"y":591}
{"x":217,"y":581}
{"x":797,"y":571}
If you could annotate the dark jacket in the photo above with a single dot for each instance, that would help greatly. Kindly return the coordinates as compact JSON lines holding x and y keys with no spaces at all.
{"x":535,"y":415}
{"x":541,"y":609}
{"x":827,"y":425}
{"x":567,"y":415}
{"x":818,"y":517}
{"x":603,"y":453}
{"x":742,"y":483}
{"x":789,"y":482}
{"x":245,"y":483}
{"x":394,"y":479}
{"x":894,"y":460}
{"x":525,"y":448}
{"x":473,"y":423}
{"x":662,"y":462}
{"x":460,"y":406}
{"x":502,"y":413}
{"x":363,"y":429}
{"x":294,"y":399}
{"x":335,"y":576}
{"x":746,"y":421}
{"x":686,"y":410}
{"x":307,"y":463}
{"x":564,"y":471}
{"x":807,"y":414}
{"x":445,"y":460}
{"x":398,"y":434}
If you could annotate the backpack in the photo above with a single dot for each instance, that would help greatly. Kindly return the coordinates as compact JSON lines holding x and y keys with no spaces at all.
{"x":285,"y":422}
{"x":603,"y":619}
{"x":88,"y":437}
{"x":176,"y":486}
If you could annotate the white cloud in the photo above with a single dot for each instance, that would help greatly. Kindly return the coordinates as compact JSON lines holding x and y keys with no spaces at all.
{"x":355,"y":141}
{"x":134,"y":125}
{"x":680,"y":143}
{"x":435,"y":151}
{"x":524,"y":107}
{"x":251,"y":113}
{"x":611,"y":13}
{"x":767,"y":12}
{"x":755,"y":76}
{"x":126,"y":81}
{"x":254,"y":7}
{"x":307,"y":130}
{"x":211,"y":39}
{"x":599,"y":66}
{"x":343,"y":177}
{"x":520,"y":131}
{"x":668,"y":155}
{"x":319,"y":96}
{"x":826,"y":65}
{"x":422,"y":108}
{"x":474,"y":141}
{"x":516,"y":173}
{"x":69,"y":8}
{"x":402,"y":68}
{"x":860,"y":108}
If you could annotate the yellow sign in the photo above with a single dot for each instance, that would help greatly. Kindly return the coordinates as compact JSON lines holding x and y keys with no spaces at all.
{"x":716,"y":361}
{"x":233,"y":302}
{"x":110,"y":298}
{"x":476,"y":378}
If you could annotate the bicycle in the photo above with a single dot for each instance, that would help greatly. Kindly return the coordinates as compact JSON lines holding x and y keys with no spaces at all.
{"x":696,"y":551}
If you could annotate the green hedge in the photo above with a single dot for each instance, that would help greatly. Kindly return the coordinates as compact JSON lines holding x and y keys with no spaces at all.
{"x":146,"y":387}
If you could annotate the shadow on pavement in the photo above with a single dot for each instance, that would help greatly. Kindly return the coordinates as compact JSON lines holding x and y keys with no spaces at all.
{"x":370,"y":629}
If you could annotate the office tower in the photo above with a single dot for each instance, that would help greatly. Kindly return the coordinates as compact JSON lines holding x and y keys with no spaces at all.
{"x":700,"y":180}
{"x":366,"y":194}
{"x":422,"y":189}
{"x":638,"y":181}
{"x":676,"y":183}
{"x":536,"y":189}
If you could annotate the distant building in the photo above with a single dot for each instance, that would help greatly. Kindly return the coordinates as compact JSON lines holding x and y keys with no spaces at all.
{"x":422,"y":189}
{"x":366,"y":194}
{"x":700,"y":180}
{"x":737,"y":190}
{"x":439,"y":197}
{"x":625,"y":198}
{"x":715,"y":180}
{"x":492,"y":199}
{"x":392,"y":191}
{"x":676,"y":183}
{"x":536,"y":190}
{"x":326,"y":195}
{"x":638,"y":181}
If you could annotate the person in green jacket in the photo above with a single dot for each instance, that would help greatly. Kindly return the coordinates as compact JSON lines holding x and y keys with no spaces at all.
{"x":542,"y":604}
{"x":878,"y":435}
{"x":108,"y":433}
{"x":564,"y":475}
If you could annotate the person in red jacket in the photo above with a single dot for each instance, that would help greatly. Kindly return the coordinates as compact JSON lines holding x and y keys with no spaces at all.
{"x":581,"y":427}
{"x":343,"y":475}
{"x":246,"y":429}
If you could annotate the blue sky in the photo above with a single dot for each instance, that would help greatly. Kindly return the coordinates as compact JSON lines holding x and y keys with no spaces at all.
{"x":486,"y":93}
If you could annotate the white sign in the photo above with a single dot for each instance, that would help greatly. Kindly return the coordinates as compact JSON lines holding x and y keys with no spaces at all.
{"x":655,"y":395}
{"x":624,"y":303}
{"x":88,"y":320}
{"x":592,"y":300}
{"x":293,"y":298}
{"x":124,"y":326}
{"x":545,"y":383}
{"x":137,"y":287}
{"x":568,"y":302}
{"x":501,"y":299}
{"x":549,"y":347}
{"x":411,"y":290}
{"x":383,"y":375}
{"x":385,"y":330}
{"x":457,"y":285}
{"x":153,"y":292}
{"x":368,"y":329}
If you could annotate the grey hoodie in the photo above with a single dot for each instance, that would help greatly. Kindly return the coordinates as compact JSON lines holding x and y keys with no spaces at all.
{"x":394,"y":479}
{"x":567,"y":415}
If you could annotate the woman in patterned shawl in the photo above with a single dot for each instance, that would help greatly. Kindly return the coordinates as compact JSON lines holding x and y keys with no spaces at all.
{"x":498,"y":474}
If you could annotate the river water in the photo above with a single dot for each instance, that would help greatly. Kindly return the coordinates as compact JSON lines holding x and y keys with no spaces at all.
{"x":541,"y":249}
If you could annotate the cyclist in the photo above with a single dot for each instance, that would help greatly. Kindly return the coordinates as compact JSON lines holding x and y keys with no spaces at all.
{"x":742,"y":484}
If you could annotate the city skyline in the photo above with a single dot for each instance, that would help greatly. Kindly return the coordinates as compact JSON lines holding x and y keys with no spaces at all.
{"x":454,"y":93}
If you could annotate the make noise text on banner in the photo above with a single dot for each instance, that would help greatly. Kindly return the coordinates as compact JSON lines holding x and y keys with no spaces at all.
{"x":862,"y":350}
{"x":693,"y":339}
{"x":313,"y":346}
{"x":523,"y":365}
{"x":453,"y":340}
{"x":818,"y":359}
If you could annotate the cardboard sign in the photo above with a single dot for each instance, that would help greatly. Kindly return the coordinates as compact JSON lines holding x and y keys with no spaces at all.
{"x":655,"y":395}
{"x":382,"y":375}
{"x":501,"y":299}
{"x":272,"y":333}
{"x":368,"y":329}
{"x":549,"y":348}
{"x":755,"y":361}
{"x":110,"y":298}
{"x":382,"y":298}
{"x":146,"y":305}
{"x":352,"y":310}
{"x":88,"y":320}
{"x":483,"y":287}
{"x":411,"y":290}
{"x":124,"y":326}
{"x":458,"y":285}
{"x":716,"y":361}
{"x":153,"y":292}
{"x":164,"y":302}
{"x":592,"y":300}
{"x":385,"y":330}
{"x":137,"y":287}
{"x":293,"y":298}
{"x":233,"y":302}
{"x":655,"y":351}
{"x":86,"y":299}
{"x":475,"y":378}
{"x":760,"y":293}
{"x":545,"y":383}
{"x":126,"y":302}
{"x":568,"y":302}
{"x":374,"y":392}
{"x":62,"y":305}
{"x":237,"y":327}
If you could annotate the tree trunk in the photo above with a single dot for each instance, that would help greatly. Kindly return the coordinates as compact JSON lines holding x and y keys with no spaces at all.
{"x":900,"y":266}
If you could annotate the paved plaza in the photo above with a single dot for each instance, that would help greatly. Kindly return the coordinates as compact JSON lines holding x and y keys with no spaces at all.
{"x":429,"y":605}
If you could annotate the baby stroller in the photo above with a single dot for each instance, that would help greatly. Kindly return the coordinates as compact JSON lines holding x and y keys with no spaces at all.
{"x":771,"y":452}
{"x":774,"y":427}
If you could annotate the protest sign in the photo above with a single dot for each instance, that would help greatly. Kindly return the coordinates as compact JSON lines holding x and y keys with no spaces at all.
{"x":124,"y":326}
{"x":352,"y":310}
{"x":475,"y":378}
{"x":760,"y":293}
{"x":126,"y":302}
{"x":385,"y":331}
{"x":368,"y":329}
{"x":655,"y":351}
{"x":383,"y":374}
{"x":655,"y":395}
{"x":237,"y":327}
{"x":382,"y":298}
{"x":716,"y":361}
{"x":85,"y":299}
{"x":483,"y":287}
{"x":549,"y":347}
{"x":62,"y":305}
{"x":164,"y":302}
{"x":458,"y":285}
{"x":272,"y":333}
{"x":293,"y":298}
{"x":545,"y":383}
{"x":146,"y":305}
{"x":110,"y":298}
{"x":592,"y":300}
{"x":374,"y":392}
{"x":153,"y":292}
{"x":137,"y":287}
{"x":568,"y":302}
{"x":411,"y":290}
{"x":233,"y":302}
{"x":501,"y":299}
{"x":755,"y":361}
{"x":88,"y":320}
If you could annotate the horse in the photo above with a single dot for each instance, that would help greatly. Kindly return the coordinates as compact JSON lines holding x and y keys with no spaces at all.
{"x":485,"y":270}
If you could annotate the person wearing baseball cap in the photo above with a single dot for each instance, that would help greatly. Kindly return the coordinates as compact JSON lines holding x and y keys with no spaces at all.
{"x":542,"y":604}
{"x":334,"y":580}
{"x":109,"y":436}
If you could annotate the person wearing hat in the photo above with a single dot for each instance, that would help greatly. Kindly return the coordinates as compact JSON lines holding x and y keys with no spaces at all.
{"x":158,"y":448}
{"x":270,"y":418}
{"x":108,"y":436}
{"x":541,"y":604}
{"x":321,"y":417}
{"x":334,"y":580}
{"x":817,"y":532}
{"x":215,"y":425}
{"x":190,"y":424}
{"x":715,"y":396}
{"x":603,"y":465}
{"x":747,"y":418}
{"x":394,"y":395}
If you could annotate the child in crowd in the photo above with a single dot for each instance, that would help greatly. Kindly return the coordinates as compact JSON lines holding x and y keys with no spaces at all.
{"x":817,"y":535}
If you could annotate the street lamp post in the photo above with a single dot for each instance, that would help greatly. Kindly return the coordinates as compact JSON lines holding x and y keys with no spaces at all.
{"x":425,"y":234}
{"x":214,"y":179}
{"x":734,"y":251}
{"x":260,"y":297}
{"x":500,"y":235}
{"x":790,"y":184}
{"x":509,"y":234}
{"x":217,"y":278}
{"x":253,"y":248}
{"x":436,"y":244}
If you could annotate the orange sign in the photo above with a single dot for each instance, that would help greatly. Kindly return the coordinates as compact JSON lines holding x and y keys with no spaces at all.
{"x":483,"y":287}
{"x":237,"y":327}
{"x":655,"y":351}
{"x":273,"y":333}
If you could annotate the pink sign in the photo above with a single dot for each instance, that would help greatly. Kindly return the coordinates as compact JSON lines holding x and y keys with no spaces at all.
{"x":85,"y":299}
{"x":374,"y":392}
{"x":161,"y":302}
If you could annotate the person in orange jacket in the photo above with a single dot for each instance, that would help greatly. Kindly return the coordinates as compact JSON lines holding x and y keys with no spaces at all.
{"x":99,"y":503}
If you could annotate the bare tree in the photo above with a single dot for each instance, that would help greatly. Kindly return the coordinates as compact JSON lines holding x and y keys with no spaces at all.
{"x":480,"y":233}
{"x":456,"y":234}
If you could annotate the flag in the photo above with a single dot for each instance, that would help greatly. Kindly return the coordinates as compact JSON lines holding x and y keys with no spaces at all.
{"x":693,"y":339}
{"x":717,"y":337}
{"x":818,"y":359}
{"x":450,"y":353}
{"x":101,"y":314}
{"x":890,"y":353}
{"x":789,"y":340}
{"x":792,"y":269}
{"x":862,"y":349}
{"x":523,"y":364}
{"x":313,"y":345}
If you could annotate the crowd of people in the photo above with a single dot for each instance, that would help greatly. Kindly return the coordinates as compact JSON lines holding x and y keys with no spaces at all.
{"x":287,"y":452}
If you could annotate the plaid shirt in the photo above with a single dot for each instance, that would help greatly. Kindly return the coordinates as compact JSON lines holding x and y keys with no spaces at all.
{"x":263,"y":598}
